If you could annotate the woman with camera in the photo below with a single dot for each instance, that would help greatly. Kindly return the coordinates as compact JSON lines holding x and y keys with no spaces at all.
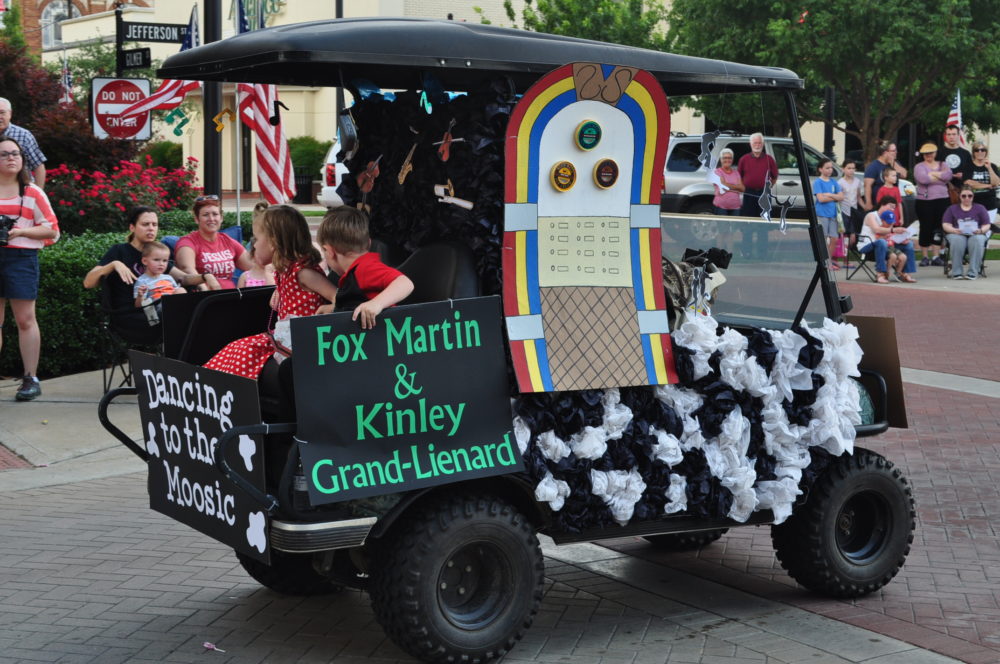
{"x":27,"y":223}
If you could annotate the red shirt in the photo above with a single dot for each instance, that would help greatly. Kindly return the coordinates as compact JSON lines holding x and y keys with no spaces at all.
{"x":365,"y":278}
{"x":32,"y":209}
{"x":755,"y":171}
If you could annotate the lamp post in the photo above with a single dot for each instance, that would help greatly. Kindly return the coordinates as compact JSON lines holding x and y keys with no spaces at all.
{"x":212,"y":90}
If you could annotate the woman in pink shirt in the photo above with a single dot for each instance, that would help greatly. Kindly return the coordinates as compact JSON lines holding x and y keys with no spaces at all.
{"x":727,"y":202}
{"x":932,"y":200}
{"x":208,"y":250}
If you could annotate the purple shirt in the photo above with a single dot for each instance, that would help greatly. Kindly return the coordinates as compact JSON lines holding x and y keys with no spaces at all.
{"x":928,"y":189}
{"x":955,"y":214}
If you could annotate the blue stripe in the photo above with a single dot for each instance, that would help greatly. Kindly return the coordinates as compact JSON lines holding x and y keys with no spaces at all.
{"x":647,"y":352}
{"x":531,"y":271}
{"x":543,"y":364}
{"x":606,"y":70}
{"x":640,"y":296}
{"x":634,"y":112}
{"x":534,"y":144}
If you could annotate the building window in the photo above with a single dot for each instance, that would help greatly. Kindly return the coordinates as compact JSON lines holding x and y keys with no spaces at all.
{"x":54,"y":12}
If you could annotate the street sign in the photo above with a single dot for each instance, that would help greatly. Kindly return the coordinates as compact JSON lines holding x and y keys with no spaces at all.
{"x":170,"y":33}
{"x":136,"y":58}
{"x":111,"y":96}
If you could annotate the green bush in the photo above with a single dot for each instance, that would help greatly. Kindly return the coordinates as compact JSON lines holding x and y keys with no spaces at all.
{"x":165,"y":154}
{"x":181,"y":222}
{"x":68,"y":315}
{"x":308,"y":154}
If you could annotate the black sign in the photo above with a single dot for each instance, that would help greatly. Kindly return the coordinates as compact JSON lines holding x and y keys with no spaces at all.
{"x":172,"y":33}
{"x":136,"y":58}
{"x":419,"y":400}
{"x":184,"y":409}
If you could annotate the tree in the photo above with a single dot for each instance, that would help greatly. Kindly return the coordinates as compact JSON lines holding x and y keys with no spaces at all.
{"x":630,"y":22}
{"x":12,"y":33}
{"x":94,"y":60}
{"x":890,"y":65}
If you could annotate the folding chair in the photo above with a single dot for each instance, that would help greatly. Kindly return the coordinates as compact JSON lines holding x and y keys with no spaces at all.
{"x":119,"y":338}
{"x":861,"y":258}
{"x":946,"y":254}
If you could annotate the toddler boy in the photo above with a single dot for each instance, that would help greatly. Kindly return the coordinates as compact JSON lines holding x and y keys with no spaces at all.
{"x":366,"y":285}
{"x":154,"y":283}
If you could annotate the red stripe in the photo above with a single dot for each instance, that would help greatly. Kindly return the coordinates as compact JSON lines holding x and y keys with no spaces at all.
{"x":275,"y":174}
{"x":662,"y":106}
{"x":520,"y":361}
{"x":668,"y":358}
{"x":656,"y":265}
{"x":508,"y":255}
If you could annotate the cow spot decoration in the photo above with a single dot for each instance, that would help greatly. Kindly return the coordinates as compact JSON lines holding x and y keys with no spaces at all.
{"x":752,"y":421}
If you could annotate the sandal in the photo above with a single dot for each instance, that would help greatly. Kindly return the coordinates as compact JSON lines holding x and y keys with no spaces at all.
{"x":907,"y":279}
{"x":882,"y":279}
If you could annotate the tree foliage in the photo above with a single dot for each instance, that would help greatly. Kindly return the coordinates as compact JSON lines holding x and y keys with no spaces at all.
{"x":12,"y":33}
{"x":889,"y":64}
{"x":629,"y":22}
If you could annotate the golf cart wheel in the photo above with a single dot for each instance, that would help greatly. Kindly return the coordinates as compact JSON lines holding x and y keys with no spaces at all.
{"x":685,"y":541}
{"x":289,"y":574}
{"x":460,"y":581}
{"x":854,"y":531}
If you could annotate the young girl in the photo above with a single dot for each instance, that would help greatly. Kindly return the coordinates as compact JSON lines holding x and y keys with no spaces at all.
{"x":282,"y":238}
{"x":891,"y":188}
{"x":260,"y":275}
{"x":853,"y":203}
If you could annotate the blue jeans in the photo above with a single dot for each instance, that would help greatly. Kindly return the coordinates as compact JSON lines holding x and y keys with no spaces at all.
{"x":958,"y":244}
{"x":881,"y":249}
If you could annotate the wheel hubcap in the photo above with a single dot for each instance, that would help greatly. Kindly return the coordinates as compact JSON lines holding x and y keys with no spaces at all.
{"x":862,"y":527}
{"x":474,"y":585}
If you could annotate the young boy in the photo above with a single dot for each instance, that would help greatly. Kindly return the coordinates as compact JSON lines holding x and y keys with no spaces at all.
{"x":891,"y":188}
{"x":828,"y":197}
{"x":154,"y":282}
{"x":366,"y":285}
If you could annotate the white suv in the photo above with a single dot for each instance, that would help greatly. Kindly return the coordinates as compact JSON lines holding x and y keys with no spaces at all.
{"x":332,"y":174}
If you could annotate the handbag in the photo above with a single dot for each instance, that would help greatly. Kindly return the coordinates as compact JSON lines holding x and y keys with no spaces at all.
{"x":840,"y":249}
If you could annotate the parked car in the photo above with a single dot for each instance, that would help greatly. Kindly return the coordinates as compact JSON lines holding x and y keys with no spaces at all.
{"x":332,"y":174}
{"x":686,"y":189}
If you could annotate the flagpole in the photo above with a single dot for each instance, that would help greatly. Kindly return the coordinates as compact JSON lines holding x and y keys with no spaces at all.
{"x":238,"y":161}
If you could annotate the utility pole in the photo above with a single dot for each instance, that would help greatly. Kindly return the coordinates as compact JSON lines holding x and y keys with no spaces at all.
{"x":339,"y":13}
{"x":212,"y":91}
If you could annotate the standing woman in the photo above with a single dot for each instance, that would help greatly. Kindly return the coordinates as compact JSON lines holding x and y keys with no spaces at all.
{"x":984,"y":179}
{"x":728,"y":202}
{"x":30,"y":225}
{"x":206,"y":250}
{"x":932,"y":200}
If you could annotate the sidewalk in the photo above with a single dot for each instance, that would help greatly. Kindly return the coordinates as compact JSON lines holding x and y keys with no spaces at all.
{"x":657,"y":606}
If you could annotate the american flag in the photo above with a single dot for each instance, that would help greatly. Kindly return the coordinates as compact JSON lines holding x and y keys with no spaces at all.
{"x":66,"y":81}
{"x":171,"y":93}
{"x":955,"y":117}
{"x":256,"y":104}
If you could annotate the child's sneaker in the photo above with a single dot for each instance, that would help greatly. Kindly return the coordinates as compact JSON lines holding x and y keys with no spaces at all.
{"x":925,"y":262}
{"x":937,"y":262}
{"x":29,"y":389}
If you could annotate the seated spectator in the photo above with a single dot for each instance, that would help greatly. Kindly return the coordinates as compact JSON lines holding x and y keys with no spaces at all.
{"x":206,"y":250}
{"x":260,"y":275}
{"x":902,"y":258}
{"x":877,"y":235}
{"x":154,"y":283}
{"x":967,"y":227}
{"x":122,"y":264}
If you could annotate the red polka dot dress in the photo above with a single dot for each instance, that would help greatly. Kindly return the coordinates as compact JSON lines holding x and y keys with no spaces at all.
{"x":247,"y":356}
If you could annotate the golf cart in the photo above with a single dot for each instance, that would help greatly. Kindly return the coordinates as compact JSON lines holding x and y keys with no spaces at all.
{"x":562,"y":366}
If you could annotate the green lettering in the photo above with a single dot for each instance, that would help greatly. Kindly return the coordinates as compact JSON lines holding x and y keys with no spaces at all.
{"x":399,"y":335}
{"x":472,"y":331}
{"x":461,"y":454}
{"x":321,"y":343}
{"x":420,"y":474}
{"x":361,"y":476}
{"x":479,"y":459}
{"x":505,"y":451}
{"x":456,"y":417}
{"x":333,"y":488}
{"x":364,"y":422}
{"x":444,"y":463}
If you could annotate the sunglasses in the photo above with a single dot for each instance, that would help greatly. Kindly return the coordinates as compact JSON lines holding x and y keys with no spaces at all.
{"x":209,"y":197}
{"x":966,"y":196}
{"x":979,"y":149}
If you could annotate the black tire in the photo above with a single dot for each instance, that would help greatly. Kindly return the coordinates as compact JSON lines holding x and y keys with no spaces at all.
{"x":289,"y":574}
{"x":685,"y":541}
{"x":854,"y":531}
{"x":460,"y":580}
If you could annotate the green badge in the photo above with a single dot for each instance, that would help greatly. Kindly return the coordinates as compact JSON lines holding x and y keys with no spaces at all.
{"x":588,"y":135}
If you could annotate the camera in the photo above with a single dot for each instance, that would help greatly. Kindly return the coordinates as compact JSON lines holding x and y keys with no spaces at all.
{"x":6,"y":223}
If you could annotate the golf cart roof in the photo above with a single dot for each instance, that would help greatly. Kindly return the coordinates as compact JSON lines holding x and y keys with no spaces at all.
{"x":394,"y":52}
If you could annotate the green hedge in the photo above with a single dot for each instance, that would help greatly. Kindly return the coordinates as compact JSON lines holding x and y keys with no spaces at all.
{"x":68,"y":314}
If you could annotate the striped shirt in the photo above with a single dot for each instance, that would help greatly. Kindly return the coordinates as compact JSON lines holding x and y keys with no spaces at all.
{"x":29,"y":146}
{"x":32,"y":209}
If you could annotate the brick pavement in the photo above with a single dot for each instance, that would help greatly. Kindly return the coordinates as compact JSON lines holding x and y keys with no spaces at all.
{"x":947,"y":596}
{"x":9,"y":460}
{"x":923,"y":317}
{"x":89,"y":574}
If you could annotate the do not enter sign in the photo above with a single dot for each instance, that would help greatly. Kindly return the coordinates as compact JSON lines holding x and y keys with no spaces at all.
{"x":110,"y":97}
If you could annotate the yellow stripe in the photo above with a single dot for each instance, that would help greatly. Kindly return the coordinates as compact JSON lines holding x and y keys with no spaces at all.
{"x":521,"y":261}
{"x":658,"y":364}
{"x":524,"y":133}
{"x":531,"y":355}
{"x":641,"y":96}
{"x":649,"y":301}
